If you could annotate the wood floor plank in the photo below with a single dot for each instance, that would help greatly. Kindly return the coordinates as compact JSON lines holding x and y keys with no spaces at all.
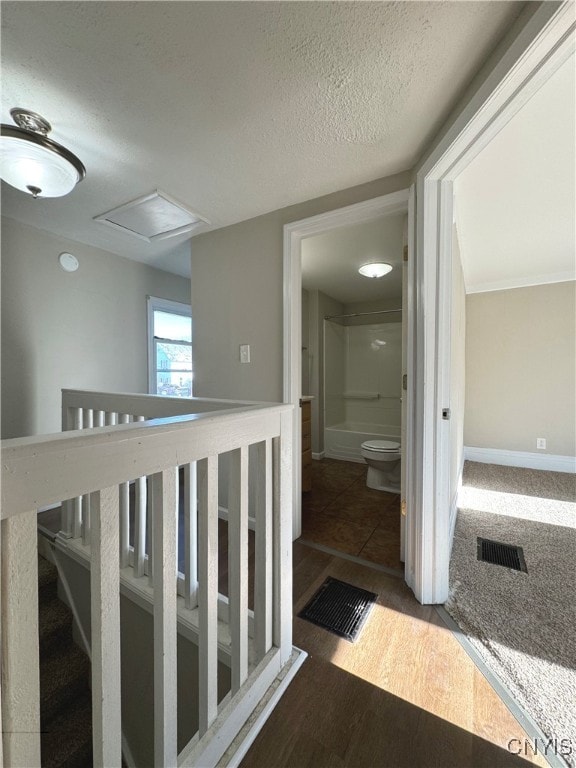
{"x":405,"y":694}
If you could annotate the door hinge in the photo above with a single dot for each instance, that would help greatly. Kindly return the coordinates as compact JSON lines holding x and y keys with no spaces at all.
{"x":403,"y":507}
{"x":405,"y":382}
{"x":446,"y":414}
{"x":405,"y":253}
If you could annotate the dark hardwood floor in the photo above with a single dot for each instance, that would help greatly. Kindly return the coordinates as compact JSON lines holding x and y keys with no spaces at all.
{"x":341,"y":513}
{"x":404,"y":695}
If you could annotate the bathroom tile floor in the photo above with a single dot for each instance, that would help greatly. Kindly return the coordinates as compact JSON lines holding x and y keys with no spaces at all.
{"x":341,"y":513}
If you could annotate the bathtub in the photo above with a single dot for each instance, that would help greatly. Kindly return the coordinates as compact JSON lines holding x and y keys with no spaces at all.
{"x":343,"y":441}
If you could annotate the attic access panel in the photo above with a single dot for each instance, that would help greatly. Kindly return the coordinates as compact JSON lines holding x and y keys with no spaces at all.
{"x":152,"y":217}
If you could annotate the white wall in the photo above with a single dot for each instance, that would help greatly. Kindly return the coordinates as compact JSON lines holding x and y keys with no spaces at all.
{"x":457,"y":368}
{"x":306,"y":359}
{"x":521,"y":369}
{"x":334,"y":373}
{"x":374,"y":366}
{"x":85,"y":329}
{"x":320,"y":305}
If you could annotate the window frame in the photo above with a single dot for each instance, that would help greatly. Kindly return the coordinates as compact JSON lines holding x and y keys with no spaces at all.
{"x":157,"y":304}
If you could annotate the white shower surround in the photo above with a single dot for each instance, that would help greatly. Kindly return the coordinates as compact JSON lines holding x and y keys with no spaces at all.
{"x":362,"y":368}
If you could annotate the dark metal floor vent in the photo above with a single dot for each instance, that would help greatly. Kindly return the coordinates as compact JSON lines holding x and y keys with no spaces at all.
{"x":501,"y":554}
{"x":340,"y":608}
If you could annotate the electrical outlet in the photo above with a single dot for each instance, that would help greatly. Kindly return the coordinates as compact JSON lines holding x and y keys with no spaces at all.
{"x":541,"y":443}
{"x":244,"y":353}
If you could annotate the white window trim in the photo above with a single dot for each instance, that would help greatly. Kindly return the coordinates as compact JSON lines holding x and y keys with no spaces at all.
{"x":155,"y":303}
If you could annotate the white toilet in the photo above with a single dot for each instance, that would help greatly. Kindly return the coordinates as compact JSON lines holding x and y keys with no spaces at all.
{"x":383,"y":459}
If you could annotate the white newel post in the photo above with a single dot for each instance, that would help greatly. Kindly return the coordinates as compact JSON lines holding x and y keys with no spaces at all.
{"x":20,"y":654}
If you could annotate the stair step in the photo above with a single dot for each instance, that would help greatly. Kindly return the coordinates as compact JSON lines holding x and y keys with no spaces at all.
{"x":64,"y":675}
{"x":67,"y":740}
{"x":47,"y":579}
{"x":55,"y":625}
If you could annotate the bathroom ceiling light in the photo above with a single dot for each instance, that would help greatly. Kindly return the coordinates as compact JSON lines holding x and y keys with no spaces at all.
{"x":376,"y":269}
{"x":32,"y":162}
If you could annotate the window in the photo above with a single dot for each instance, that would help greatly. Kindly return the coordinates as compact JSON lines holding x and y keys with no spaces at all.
{"x":169,"y":348}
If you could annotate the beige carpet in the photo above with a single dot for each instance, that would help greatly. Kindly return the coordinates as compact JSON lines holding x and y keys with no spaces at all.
{"x":522,"y":624}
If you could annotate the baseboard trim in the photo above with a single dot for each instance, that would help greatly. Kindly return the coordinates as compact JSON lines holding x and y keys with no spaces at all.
{"x":318,"y":456}
{"x":245,"y":738}
{"x":524,"y":459}
{"x":223,"y":515}
{"x":344,"y":457}
{"x":454,"y":505}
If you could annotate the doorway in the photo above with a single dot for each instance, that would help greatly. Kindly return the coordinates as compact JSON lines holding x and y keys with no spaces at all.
{"x":537,"y":51}
{"x":304,"y":366}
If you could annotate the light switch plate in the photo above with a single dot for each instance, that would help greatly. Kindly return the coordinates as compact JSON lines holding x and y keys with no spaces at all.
{"x":244,"y":353}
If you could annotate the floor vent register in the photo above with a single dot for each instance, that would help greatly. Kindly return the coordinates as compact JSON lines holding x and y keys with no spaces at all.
{"x":340,"y":608}
{"x":497,"y":553}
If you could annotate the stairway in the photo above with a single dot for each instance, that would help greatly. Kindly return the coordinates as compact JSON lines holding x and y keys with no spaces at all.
{"x":65,"y":697}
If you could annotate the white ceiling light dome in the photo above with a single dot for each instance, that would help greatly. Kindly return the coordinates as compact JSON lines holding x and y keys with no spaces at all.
{"x":375,"y":269}
{"x":32,"y":162}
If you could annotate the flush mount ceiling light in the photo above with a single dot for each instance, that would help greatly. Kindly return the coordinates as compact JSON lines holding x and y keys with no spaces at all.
{"x":32,"y":162}
{"x":376,"y":269}
{"x":152,"y":217}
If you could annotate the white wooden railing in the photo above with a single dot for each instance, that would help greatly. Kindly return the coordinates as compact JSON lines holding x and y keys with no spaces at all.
{"x":111,"y":442}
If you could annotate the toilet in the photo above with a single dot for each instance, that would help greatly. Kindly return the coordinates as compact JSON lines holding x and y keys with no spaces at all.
{"x":383,"y":459}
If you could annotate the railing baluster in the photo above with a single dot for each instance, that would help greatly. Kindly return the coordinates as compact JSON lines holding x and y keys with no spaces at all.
{"x":238,"y":565}
{"x":124,"y":493}
{"x":190,"y":536}
{"x":88,"y":423}
{"x":207,"y":591}
{"x":263,"y":574}
{"x":165,"y":670}
{"x":67,"y":513}
{"x":150,"y":512}
{"x":105,"y":607}
{"x":283,"y":537}
{"x":20,"y":655}
{"x":140,"y":505}
{"x":77,"y":502}
{"x":99,"y":418}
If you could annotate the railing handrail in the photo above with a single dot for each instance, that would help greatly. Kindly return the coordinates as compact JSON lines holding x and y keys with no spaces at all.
{"x":151,"y":406}
{"x":152,"y":446}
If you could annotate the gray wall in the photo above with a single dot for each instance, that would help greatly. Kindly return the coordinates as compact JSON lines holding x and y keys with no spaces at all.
{"x":84,"y":330}
{"x":521,"y":369}
{"x":237,"y":293}
{"x":137,"y":659}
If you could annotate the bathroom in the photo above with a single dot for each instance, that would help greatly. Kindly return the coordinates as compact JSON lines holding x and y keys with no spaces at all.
{"x":352,"y":365}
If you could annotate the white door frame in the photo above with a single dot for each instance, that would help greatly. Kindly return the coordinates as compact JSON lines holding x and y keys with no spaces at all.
{"x":294,"y":233}
{"x":540,"y":42}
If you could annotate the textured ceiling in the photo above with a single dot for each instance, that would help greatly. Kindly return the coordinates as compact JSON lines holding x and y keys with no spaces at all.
{"x":233,"y":108}
{"x":516,"y":201}
{"x":330,"y":261}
